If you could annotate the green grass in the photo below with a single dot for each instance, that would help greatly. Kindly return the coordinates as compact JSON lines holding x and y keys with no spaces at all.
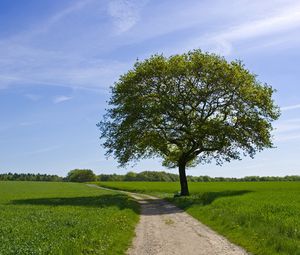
{"x":263,"y":217}
{"x":64,"y":218}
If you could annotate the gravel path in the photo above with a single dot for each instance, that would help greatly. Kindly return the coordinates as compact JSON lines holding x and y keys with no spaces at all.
{"x":165,"y":229}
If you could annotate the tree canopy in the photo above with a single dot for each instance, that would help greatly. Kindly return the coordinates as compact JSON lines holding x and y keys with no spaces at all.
{"x":81,"y":175}
{"x":188,"y":109}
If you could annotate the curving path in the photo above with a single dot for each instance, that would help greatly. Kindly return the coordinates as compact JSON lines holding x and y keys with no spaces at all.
{"x":165,"y":229}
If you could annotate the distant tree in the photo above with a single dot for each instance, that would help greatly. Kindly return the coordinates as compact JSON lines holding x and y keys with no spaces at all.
{"x":253,"y":178}
{"x":81,"y":175}
{"x":130,"y":176}
{"x":188,"y":109}
{"x":110,"y":177}
{"x":155,"y":176}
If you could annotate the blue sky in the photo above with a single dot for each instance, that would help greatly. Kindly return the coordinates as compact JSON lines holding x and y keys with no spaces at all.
{"x":58,"y":59}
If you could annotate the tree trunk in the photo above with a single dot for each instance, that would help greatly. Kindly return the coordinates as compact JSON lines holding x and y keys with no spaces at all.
{"x":183,"y":180}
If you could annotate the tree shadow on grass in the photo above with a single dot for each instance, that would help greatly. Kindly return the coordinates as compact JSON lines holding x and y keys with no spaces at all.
{"x":161,"y":207}
{"x":119,"y":200}
{"x":205,"y":198}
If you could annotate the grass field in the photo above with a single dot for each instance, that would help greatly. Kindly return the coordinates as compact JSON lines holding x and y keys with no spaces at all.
{"x":64,"y":218}
{"x":262,"y":217}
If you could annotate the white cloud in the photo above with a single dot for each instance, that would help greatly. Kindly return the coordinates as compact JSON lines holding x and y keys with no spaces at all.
{"x":33,"y":97}
{"x":290,"y":107}
{"x":285,"y":20}
{"x":17,"y":125}
{"x":44,"y":26}
{"x":26,"y":62}
{"x":6,"y":80}
{"x":25,"y":65}
{"x":125,"y":13}
{"x":27,"y":123}
{"x":278,"y":22}
{"x":43,"y":150}
{"x":287,"y":126}
{"x":60,"y":99}
{"x":77,"y":6}
{"x":287,"y":130}
{"x":287,"y":137}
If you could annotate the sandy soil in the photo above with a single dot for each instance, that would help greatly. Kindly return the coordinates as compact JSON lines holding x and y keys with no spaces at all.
{"x":165,"y":229}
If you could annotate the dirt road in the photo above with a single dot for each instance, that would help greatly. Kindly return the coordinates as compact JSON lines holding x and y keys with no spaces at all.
{"x":165,"y":229}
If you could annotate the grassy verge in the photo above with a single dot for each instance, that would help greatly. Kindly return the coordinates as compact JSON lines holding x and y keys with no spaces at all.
{"x":64,"y":218}
{"x":262,"y":217}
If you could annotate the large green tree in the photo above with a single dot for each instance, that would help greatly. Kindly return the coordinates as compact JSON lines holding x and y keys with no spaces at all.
{"x":188,"y":109}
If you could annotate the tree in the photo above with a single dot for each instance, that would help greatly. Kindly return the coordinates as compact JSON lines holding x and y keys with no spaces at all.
{"x":130,"y":176}
{"x":81,"y":175}
{"x":188,"y":109}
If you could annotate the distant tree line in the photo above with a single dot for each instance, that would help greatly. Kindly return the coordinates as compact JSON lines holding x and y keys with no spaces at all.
{"x":151,"y":176}
{"x":30,"y":177}
{"x":244,"y":179}
{"x":87,"y":175}
{"x":169,"y":177}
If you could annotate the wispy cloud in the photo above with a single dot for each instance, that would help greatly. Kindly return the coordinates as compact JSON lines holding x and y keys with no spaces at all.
{"x":23,"y":124}
{"x":278,"y":22}
{"x":287,"y":137}
{"x":44,"y":26}
{"x":125,"y":13}
{"x":290,"y":107}
{"x":7,"y":79}
{"x":77,"y":6}
{"x":42,"y":150}
{"x":27,"y":123}
{"x":287,"y":130}
{"x":25,"y":60}
{"x":60,"y":99}
{"x":287,"y":126}
{"x":33,"y":97}
{"x":284,"y":20}
{"x":25,"y":65}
